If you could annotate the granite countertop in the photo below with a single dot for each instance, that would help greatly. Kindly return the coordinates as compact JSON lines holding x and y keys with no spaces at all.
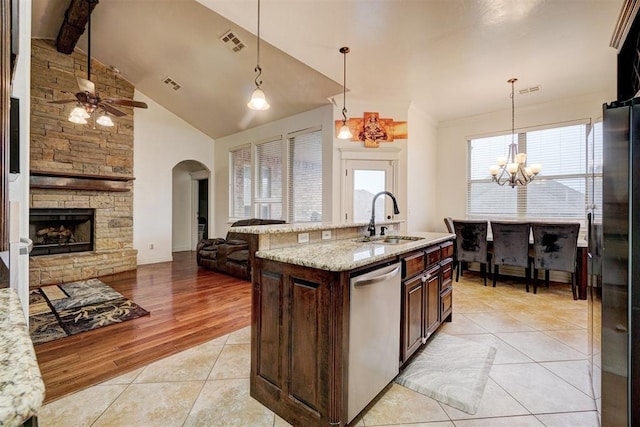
{"x":347,"y":254}
{"x":302,"y":226}
{"x":21,"y":386}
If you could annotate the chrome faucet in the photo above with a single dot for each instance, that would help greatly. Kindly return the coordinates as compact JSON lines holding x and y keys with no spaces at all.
{"x":372,"y":222}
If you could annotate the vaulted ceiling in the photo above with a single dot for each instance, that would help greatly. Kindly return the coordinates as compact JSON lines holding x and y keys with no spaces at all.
{"x":451,"y":58}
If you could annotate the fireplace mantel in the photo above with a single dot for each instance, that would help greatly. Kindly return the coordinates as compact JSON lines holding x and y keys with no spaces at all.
{"x":71,"y":181}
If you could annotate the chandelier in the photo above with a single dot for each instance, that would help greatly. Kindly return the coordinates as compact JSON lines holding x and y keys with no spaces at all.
{"x":512,"y":170}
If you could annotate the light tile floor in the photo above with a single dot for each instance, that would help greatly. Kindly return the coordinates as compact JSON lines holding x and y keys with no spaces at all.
{"x":539,"y":377}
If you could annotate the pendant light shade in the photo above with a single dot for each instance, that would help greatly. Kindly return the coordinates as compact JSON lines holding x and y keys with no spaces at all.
{"x":105,"y":120}
{"x":258,"y":101}
{"x":79,"y":112}
{"x":344,"y":132}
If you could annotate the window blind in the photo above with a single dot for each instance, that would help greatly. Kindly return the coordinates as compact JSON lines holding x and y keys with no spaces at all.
{"x":240,"y":182}
{"x":269,"y":180}
{"x":559,"y":192}
{"x":305,"y":177}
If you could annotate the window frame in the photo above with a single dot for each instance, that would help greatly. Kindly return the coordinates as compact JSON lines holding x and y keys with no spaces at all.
{"x":521,"y":213}
{"x":256,"y":202}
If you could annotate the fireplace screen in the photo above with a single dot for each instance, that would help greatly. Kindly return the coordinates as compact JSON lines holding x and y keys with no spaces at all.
{"x":56,"y":231}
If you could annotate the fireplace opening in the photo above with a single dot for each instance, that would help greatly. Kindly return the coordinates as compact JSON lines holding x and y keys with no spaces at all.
{"x":57,"y":231}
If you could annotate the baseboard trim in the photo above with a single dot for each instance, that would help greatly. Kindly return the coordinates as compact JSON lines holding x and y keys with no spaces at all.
{"x":154,"y":260}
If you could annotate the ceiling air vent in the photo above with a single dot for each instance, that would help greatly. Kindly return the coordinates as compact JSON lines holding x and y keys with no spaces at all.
{"x":169,"y":81}
{"x":232,"y":41}
{"x":531,"y":89}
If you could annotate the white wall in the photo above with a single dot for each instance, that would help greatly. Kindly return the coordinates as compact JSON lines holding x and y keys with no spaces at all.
{"x":320,"y":116}
{"x":19,"y":188}
{"x":161,"y":141}
{"x":421,"y":171}
{"x":452,"y":143}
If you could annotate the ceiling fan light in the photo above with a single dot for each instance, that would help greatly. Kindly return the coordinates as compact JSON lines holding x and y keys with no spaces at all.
{"x":79,"y":112}
{"x":344,"y":133}
{"x":77,"y":119}
{"x":105,"y":120}
{"x":258,"y":101}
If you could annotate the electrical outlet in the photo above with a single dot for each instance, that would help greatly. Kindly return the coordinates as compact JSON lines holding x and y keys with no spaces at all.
{"x":326,"y":234}
{"x":303,"y":237}
{"x":151,"y":245}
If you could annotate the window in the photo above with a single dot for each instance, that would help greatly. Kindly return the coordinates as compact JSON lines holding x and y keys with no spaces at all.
{"x":559,"y":192}
{"x":285,"y":176}
{"x":269,"y":180}
{"x":305,"y":172}
{"x":240,"y":182}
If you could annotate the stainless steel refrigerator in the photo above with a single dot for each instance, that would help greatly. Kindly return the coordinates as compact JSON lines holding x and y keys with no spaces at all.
{"x":620,"y":279}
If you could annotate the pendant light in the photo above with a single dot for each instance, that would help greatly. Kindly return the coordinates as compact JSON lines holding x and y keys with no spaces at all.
{"x":512,"y":170}
{"x":344,"y":133}
{"x":104,"y":120}
{"x":258,"y":101}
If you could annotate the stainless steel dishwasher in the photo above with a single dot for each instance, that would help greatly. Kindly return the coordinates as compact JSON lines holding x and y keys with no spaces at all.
{"x":374,"y":335}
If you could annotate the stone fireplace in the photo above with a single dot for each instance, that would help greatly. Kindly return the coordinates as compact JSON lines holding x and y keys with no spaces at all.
{"x":78,"y":169}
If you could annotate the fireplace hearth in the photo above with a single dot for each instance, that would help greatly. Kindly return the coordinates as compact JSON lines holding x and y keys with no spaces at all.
{"x":58,"y":231}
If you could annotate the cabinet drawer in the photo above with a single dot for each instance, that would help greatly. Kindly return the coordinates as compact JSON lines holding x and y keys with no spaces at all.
{"x":447,"y":275}
{"x":446,"y":301}
{"x":447,"y":250}
{"x":433,"y":255}
{"x":413,"y":264}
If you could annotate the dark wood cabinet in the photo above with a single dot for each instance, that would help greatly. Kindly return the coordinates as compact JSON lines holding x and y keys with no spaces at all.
{"x":432,"y":303}
{"x":298,"y":330}
{"x":413,"y":316}
{"x":446,"y":289}
{"x":427,"y":295}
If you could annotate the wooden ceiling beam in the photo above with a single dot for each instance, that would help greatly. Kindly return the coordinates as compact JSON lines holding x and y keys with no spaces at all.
{"x":73,"y":25}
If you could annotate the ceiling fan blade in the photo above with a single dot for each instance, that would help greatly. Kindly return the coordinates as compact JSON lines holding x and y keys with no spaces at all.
{"x":86,"y":85}
{"x":63,"y":101}
{"x":109,"y":109}
{"x":126,"y":102}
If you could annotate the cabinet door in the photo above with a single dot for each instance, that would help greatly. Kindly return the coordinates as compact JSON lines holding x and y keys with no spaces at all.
{"x":432,"y":306}
{"x":412,"y":317}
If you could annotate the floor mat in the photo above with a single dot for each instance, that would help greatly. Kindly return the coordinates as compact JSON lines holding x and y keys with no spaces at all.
{"x":58,"y":311}
{"x":451,"y":370}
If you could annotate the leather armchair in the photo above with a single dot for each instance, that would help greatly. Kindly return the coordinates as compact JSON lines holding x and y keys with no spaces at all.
{"x":231,"y":255}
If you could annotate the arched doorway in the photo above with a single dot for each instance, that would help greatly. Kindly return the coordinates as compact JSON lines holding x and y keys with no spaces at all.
{"x":190,"y":205}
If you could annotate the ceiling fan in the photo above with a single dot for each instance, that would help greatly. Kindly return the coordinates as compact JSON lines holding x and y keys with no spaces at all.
{"x":88,"y":99}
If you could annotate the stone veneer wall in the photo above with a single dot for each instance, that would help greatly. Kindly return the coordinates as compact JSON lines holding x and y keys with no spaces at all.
{"x":60,"y":146}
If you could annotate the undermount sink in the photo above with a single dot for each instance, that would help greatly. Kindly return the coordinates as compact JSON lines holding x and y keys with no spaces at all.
{"x":394,"y":240}
{"x":389,"y":240}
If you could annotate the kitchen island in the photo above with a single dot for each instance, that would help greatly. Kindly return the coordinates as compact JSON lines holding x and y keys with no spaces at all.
{"x":303,"y":307}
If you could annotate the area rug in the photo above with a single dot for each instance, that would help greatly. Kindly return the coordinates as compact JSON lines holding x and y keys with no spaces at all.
{"x":451,"y":370}
{"x":59,"y":311}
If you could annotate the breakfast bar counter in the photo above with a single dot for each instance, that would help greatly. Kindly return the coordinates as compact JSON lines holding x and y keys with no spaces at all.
{"x":349,"y":254}
{"x":21,"y":386}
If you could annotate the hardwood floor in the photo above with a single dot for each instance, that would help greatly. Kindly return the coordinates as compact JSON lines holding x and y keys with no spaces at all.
{"x":188,"y":305}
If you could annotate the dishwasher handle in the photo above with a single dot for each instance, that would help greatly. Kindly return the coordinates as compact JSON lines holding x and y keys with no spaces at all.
{"x":377,"y":276}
